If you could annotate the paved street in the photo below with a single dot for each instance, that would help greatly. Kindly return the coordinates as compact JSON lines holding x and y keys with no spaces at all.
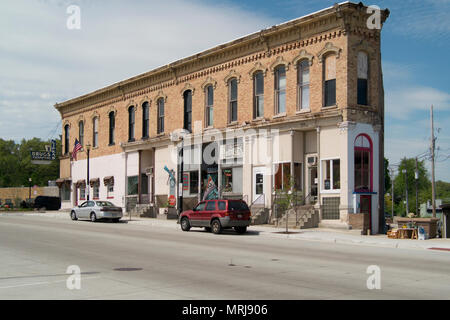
{"x":137,"y":261}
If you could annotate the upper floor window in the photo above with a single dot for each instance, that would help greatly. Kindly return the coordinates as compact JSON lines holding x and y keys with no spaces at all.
{"x":131,"y":118}
{"x":66,"y":139}
{"x":187,"y":110}
{"x":363,"y":72}
{"x":363,"y":163}
{"x":81,"y":132}
{"x":258,"y":101}
{"x":95,"y":132}
{"x":160,"y":104}
{"x":303,"y":85}
{"x":330,"y":80}
{"x":209,"y":110}
{"x":233,"y":100}
{"x":145,"y":120}
{"x":112,"y":125}
{"x":280,"y":89}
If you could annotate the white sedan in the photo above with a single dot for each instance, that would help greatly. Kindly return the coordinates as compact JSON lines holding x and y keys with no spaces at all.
{"x":95,"y":210}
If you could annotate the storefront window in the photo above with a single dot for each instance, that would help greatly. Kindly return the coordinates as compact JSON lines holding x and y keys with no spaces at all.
{"x":232,"y":180}
{"x":193,"y":182}
{"x":283,"y":176}
{"x":331,"y":175}
{"x":132,"y":185}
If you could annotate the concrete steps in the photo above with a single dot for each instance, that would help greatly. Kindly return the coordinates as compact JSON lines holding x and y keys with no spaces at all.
{"x":302,"y":218}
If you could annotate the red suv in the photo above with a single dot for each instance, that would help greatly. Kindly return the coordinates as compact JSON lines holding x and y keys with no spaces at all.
{"x":216,"y":215}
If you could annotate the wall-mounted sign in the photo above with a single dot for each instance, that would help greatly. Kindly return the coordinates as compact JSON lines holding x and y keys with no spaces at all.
{"x":44,"y":157}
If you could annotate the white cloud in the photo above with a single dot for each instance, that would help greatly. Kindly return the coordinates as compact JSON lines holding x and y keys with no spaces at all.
{"x":43,"y":62}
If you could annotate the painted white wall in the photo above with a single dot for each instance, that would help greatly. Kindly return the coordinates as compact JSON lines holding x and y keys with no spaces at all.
{"x":101,"y":167}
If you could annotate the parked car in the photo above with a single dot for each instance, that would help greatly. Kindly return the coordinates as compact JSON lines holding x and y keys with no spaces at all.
{"x":96,"y":210}
{"x":47,"y":203}
{"x":216,"y":215}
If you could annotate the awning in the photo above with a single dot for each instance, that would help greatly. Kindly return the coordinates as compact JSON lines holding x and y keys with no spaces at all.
{"x":108,"y":181}
{"x":94,"y":182}
{"x":81,"y":183}
{"x":61,"y":181}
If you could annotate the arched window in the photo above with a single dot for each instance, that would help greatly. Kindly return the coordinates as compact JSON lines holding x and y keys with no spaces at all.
{"x":303,"y":85}
{"x":232,"y":100}
{"x":112,"y":126}
{"x":66,"y":139}
{"x":258,"y":93}
{"x":209,"y":109}
{"x":145,"y":120}
{"x":81,"y":132}
{"x":131,"y":118}
{"x":95,"y":132}
{"x":363,"y":163}
{"x":280,"y":89}
{"x":363,"y":72}
{"x":187,"y":110}
{"x":330,"y":80}
{"x":160,"y":104}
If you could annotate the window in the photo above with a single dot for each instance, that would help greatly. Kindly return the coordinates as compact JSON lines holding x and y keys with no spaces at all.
{"x":112,"y":124}
{"x":330,"y":81}
{"x":193,"y":182}
{"x":232,"y":180}
{"x":200,"y":207}
{"x":258,"y":102}
{"x":209,"y":110}
{"x":81,"y":132}
{"x":363,"y":159}
{"x":132,"y":185}
{"x":233,"y":100}
{"x":96,"y":191}
{"x":66,"y":139}
{"x":280,"y":89}
{"x":188,"y":110}
{"x":283,"y":176}
{"x":222,"y":205}
{"x":211,"y":206}
{"x":95,"y":132}
{"x":145,"y":120}
{"x":160,"y":115}
{"x":82,"y":193}
{"x":303,"y":85}
{"x":331,"y":174}
{"x":110,"y":191}
{"x":64,"y":192}
{"x":131,"y":119}
{"x":362,"y":78}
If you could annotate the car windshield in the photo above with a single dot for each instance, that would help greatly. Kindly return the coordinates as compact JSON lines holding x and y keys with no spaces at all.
{"x":104,"y":204}
{"x":237,"y":205}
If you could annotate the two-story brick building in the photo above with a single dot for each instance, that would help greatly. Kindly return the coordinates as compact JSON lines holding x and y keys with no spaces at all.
{"x":302,"y":99}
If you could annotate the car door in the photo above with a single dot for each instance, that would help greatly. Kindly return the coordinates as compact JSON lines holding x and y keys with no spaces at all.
{"x":80,"y":208}
{"x":89,"y":209}
{"x":197,"y":213}
{"x":210,"y":209}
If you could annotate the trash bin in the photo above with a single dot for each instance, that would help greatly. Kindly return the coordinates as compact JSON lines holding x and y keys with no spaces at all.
{"x":422,"y":233}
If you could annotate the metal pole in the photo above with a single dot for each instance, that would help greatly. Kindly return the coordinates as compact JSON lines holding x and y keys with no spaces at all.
{"x":416,"y":176}
{"x":406,"y":189}
{"x":181,"y":178}
{"x":392,"y":194}
{"x":87,"y":181}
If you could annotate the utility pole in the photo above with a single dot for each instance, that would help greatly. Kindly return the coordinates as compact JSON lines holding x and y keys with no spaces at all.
{"x":416,"y":176}
{"x":406,"y":189}
{"x":433,"y":185}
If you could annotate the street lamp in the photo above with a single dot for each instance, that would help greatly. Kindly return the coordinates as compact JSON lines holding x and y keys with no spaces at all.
{"x":406,"y":190}
{"x":88,"y":148}
{"x":29,"y":192}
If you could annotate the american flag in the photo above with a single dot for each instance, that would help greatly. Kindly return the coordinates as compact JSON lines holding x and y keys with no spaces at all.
{"x":76,"y":148}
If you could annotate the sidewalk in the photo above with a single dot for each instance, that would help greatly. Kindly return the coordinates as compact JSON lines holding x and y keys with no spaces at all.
{"x":317,"y":234}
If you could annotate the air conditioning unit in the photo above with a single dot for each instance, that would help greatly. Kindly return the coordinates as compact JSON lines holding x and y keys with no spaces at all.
{"x":312,"y":161}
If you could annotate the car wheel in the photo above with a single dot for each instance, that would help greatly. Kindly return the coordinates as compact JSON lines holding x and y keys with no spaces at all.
{"x":240,"y":230}
{"x":73,"y":215}
{"x":93,"y":217}
{"x":42,"y":209}
{"x":216,"y":227}
{"x":185,"y":225}
{"x":208,"y":229}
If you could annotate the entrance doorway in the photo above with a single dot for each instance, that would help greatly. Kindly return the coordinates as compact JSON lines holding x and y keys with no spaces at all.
{"x":312,"y":182}
{"x":258,"y":184}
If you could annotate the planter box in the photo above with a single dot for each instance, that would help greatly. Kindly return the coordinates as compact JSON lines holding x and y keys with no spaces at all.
{"x":429,"y":224}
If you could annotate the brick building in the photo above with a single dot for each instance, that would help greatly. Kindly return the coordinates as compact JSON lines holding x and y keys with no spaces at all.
{"x":302,"y":99}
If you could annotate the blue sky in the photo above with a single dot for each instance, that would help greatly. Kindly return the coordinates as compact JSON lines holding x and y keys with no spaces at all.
{"x":42,"y":62}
